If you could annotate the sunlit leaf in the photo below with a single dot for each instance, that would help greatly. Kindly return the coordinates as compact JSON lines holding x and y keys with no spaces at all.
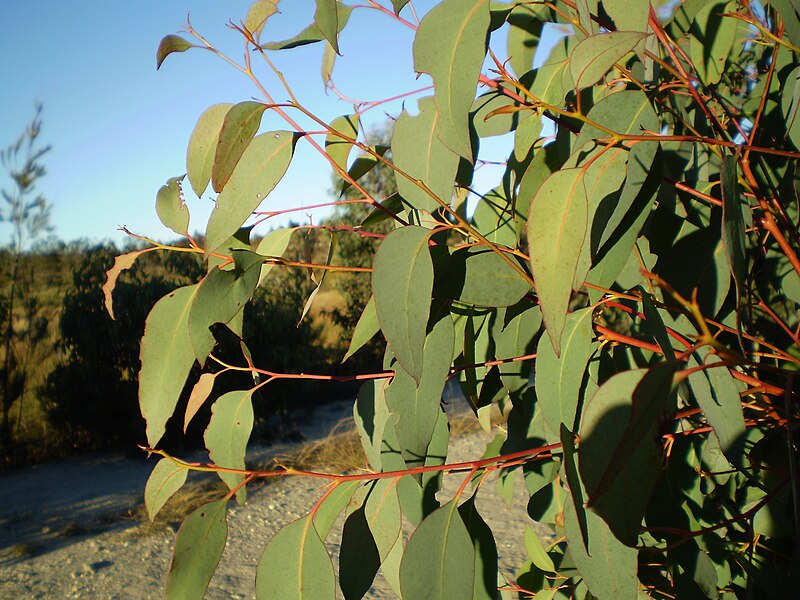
{"x":439,"y":561}
{"x":203,"y":145}
{"x":200,"y":393}
{"x":198,"y":547}
{"x":166,"y":356}
{"x":712,"y":40}
{"x":273,"y":245}
{"x":227,"y":436}
{"x":594,"y":56}
{"x":295,"y":565}
{"x":258,"y":13}
{"x":166,"y":479}
{"x":334,"y":503}
{"x":337,"y":147}
{"x":170,"y":207}
{"x":168,"y":45}
{"x":481,"y":277}
{"x":418,"y":151}
{"x":365,"y":329}
{"x":402,"y":281}
{"x":260,"y":169}
{"x":122,"y":262}
{"x":556,"y":233}
{"x":450,"y":47}
{"x":628,"y":16}
{"x":238,"y":129}
{"x":311,"y":34}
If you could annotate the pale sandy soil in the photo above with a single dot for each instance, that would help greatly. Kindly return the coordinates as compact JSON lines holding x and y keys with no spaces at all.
{"x":63,"y":533}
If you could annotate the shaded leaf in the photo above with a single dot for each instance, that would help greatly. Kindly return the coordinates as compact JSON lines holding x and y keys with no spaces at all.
{"x":167,"y":357}
{"x":227,"y":435}
{"x":439,"y":561}
{"x":260,"y":169}
{"x":330,"y":508}
{"x":712,"y":39}
{"x":628,"y":16}
{"x":198,"y":547}
{"x":537,"y":552}
{"x":203,"y":146}
{"x":168,"y":45}
{"x":170,"y":207}
{"x":166,"y":479}
{"x":402,"y":281}
{"x":481,"y":277}
{"x":393,"y":205}
{"x":594,"y":56}
{"x":733,"y":238}
{"x":358,"y":558}
{"x":273,"y":245}
{"x":485,"y":551}
{"x":238,"y":129}
{"x":362,"y":165}
{"x":450,"y":47}
{"x":556,"y":233}
{"x":295,"y":565}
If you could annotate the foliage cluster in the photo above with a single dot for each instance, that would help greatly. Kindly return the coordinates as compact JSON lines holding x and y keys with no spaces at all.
{"x":627,"y":293}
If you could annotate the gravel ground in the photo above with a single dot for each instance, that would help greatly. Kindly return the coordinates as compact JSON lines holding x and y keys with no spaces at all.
{"x":61,"y":535}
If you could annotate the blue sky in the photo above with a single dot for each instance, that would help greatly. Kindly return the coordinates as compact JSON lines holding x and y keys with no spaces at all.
{"x":119,"y":128}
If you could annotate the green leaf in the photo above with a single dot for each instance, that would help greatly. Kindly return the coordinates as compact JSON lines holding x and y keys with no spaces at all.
{"x":365,"y":329}
{"x":559,"y":379}
{"x":526,"y":23}
{"x":326,"y":16}
{"x":485,"y":551}
{"x":382,"y":509}
{"x":556,"y":234}
{"x":273,"y":245}
{"x":258,"y":13}
{"x":513,"y":336}
{"x":718,"y":397}
{"x":203,"y":145}
{"x":334,"y":503}
{"x":450,"y":46}
{"x":376,"y":428}
{"x":337,"y":147}
{"x":494,"y":218}
{"x":654,"y":325}
{"x":481,"y":277}
{"x":200,"y":392}
{"x":393,"y":205}
{"x":537,"y":552}
{"x":295,"y":565}
{"x":227,"y":435}
{"x":418,"y":151}
{"x":168,"y":45}
{"x":594,"y":56}
{"x":439,"y":561}
{"x":220,"y":296}
{"x":166,"y":479}
{"x":619,"y":445}
{"x":487,"y":124}
{"x":733,"y":238}
{"x":198,"y":547}
{"x":167,"y":357}
{"x":170,"y":207}
{"x":363,"y":165}
{"x":712,"y":39}
{"x":398,"y":5}
{"x":609,"y":567}
{"x":260,"y":169}
{"x":311,"y":34}
{"x":239,"y":127}
{"x":627,"y":15}
{"x":417,"y":404}
{"x":402,"y":282}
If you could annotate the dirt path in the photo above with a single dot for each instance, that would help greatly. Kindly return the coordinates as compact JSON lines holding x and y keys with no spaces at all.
{"x":67,"y":516}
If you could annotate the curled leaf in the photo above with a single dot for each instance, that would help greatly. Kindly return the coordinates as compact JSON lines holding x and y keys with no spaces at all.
{"x":168,"y":45}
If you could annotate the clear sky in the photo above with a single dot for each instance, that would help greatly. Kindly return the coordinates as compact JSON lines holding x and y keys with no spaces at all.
{"x":119,"y":128}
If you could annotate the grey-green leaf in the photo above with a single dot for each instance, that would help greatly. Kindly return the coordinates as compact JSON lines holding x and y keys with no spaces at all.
{"x":450,"y":47}
{"x":481,"y":277}
{"x":337,"y":147}
{"x":258,"y":13}
{"x":198,"y":547}
{"x":167,"y":357}
{"x":365,"y":329}
{"x":168,"y":45}
{"x":239,"y":127}
{"x":311,"y":34}
{"x":203,"y":145}
{"x":295,"y":565}
{"x":439,"y":561}
{"x":556,"y":234}
{"x":402,"y":282}
{"x":228,"y":433}
{"x":418,"y":151}
{"x":170,"y":207}
{"x":326,"y":17}
{"x":260,"y":169}
{"x":594,"y":56}
{"x":166,"y":479}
